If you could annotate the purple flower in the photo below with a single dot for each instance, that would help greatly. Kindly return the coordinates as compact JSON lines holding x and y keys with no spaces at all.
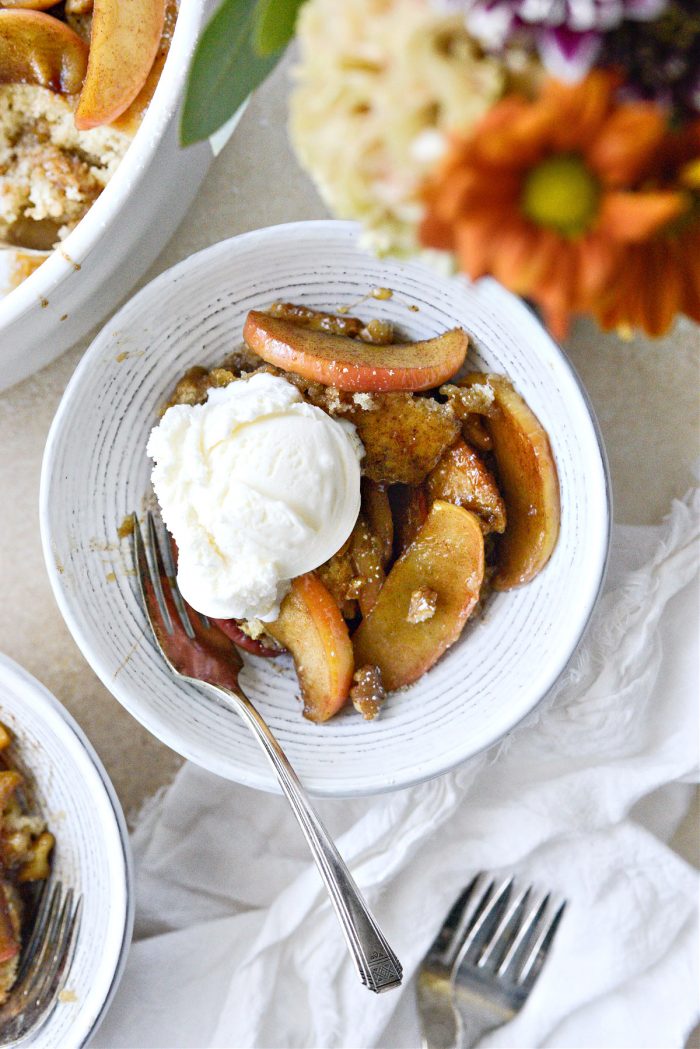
{"x":567,"y":33}
{"x":660,"y":59}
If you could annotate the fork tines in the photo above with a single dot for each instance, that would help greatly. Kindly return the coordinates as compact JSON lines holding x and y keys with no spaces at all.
{"x":504,"y":932}
{"x":44,"y":964}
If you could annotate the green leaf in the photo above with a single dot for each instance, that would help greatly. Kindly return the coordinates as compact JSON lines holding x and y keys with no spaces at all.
{"x":274,"y":24}
{"x":225,"y":69}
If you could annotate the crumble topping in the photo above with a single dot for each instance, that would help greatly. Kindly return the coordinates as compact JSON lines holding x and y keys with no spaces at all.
{"x":367,"y":693}
{"x":50,"y":173}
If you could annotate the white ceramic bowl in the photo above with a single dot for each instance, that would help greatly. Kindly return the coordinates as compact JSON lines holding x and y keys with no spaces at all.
{"x":96,"y":471}
{"x":121,"y":234}
{"x":92,"y":851}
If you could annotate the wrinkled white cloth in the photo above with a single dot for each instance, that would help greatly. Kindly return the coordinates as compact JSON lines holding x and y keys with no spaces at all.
{"x":236,"y":944}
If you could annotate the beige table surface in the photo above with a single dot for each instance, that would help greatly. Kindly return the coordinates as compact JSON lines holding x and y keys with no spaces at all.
{"x":645,"y":395}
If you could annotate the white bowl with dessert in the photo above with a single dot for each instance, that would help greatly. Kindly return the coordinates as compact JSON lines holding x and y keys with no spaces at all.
{"x":60,"y":821}
{"x":92,"y":179}
{"x":385,"y":487}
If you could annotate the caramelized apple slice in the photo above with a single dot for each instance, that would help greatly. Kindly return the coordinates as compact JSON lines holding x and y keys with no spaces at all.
{"x":29,"y":5}
{"x":527,"y":476}
{"x":404,"y":437}
{"x":311,"y":627}
{"x":123,"y":45}
{"x":475,"y":433}
{"x":377,"y":510}
{"x":353,"y":365}
{"x":409,"y":507}
{"x":36,"y":48}
{"x":462,"y":478}
{"x":446,"y":558}
{"x":366,"y":552}
{"x":130,"y":120}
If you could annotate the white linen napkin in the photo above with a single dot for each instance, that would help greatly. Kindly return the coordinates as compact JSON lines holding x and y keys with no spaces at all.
{"x":236,"y":944}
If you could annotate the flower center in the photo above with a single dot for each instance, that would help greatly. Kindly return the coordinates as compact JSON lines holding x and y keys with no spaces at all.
{"x":561,"y":193}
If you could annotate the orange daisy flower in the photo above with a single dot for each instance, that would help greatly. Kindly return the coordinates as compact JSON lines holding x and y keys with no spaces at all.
{"x":543,"y":194}
{"x":660,"y":277}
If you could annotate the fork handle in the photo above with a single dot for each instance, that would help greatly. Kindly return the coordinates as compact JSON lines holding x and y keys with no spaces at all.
{"x":475,"y":1021}
{"x":377,"y":965}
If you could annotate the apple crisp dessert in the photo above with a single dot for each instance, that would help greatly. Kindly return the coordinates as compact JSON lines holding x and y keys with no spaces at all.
{"x":74,"y":85}
{"x":25,"y":850}
{"x":459,"y":496}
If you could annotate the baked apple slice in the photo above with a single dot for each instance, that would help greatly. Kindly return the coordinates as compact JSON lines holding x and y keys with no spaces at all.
{"x":377,"y":510}
{"x":366,"y":553}
{"x":130,"y":120}
{"x":527,"y":476}
{"x":29,"y":5}
{"x":124,"y":41}
{"x":353,"y":365}
{"x":36,"y":48}
{"x":446,"y":561}
{"x":461,"y":477}
{"x":409,"y":507}
{"x":311,"y":627}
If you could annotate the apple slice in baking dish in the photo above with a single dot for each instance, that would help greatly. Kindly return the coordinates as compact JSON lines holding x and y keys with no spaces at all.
{"x":29,"y":5}
{"x":527,"y":477}
{"x":350,"y":364}
{"x":124,"y":42}
{"x":36,"y":48}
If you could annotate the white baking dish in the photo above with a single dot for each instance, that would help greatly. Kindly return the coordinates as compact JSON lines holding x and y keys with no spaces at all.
{"x":121,"y":234}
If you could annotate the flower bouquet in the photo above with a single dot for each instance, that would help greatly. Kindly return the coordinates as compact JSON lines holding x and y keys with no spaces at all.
{"x":554,"y":144}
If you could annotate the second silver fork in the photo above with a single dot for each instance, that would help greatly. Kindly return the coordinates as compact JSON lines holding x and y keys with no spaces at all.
{"x":200,"y":653}
{"x":482,"y":966}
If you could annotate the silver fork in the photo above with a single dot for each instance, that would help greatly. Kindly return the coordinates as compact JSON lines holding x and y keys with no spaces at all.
{"x":200,"y":653}
{"x":44,"y":964}
{"x":484,"y":961}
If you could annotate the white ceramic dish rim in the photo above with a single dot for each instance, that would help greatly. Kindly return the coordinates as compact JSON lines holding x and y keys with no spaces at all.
{"x":105,"y":211}
{"x":160,"y":727}
{"x":62,"y":723}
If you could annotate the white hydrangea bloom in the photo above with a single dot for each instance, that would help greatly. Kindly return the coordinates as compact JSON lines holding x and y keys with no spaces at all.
{"x":378,"y":85}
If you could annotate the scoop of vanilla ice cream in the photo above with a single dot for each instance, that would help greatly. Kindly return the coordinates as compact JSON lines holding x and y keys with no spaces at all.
{"x":257,"y":487}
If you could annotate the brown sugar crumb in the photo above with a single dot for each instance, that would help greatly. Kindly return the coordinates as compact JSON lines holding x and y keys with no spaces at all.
{"x":466,"y":400}
{"x":219,"y":377}
{"x":192,"y":388}
{"x":126,"y":528}
{"x":367,"y":693}
{"x":422,"y":605}
{"x":240,"y":360}
{"x":380,"y":333}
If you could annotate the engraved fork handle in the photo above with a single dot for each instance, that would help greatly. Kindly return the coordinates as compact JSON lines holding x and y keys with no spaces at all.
{"x":377,"y":965}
